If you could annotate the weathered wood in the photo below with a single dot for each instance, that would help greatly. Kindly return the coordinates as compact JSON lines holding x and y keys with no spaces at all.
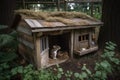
{"x":24,"y":27}
{"x":79,"y":1}
{"x":25,"y":49}
{"x":86,"y":51}
{"x":26,"y":43}
{"x":44,"y":57}
{"x":58,"y":32}
{"x":27,"y":53}
{"x":90,"y":39}
{"x":64,"y":28}
{"x":72,"y":43}
{"x":23,"y":24}
{"x":24,"y":30}
{"x":33,"y":23}
{"x":25,"y":37}
{"x":37,"y":51}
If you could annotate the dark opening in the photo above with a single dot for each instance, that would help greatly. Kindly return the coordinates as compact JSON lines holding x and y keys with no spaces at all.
{"x":83,"y":37}
{"x":61,"y":40}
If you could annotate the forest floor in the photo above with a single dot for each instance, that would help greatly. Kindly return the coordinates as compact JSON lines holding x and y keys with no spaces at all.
{"x":77,"y":63}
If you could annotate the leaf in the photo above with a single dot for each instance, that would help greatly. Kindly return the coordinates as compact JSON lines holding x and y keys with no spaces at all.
{"x":59,"y":75}
{"x":14,"y":71}
{"x":20,"y":69}
{"x":104,"y":75}
{"x":105,"y":64}
{"x":84,"y":67}
{"x":111,"y":43}
{"x":88,"y":71}
{"x":5,"y":66}
{"x":98,"y":74}
{"x":76,"y":75}
{"x":60,"y":69}
{"x":84,"y":74}
{"x":115,"y":60}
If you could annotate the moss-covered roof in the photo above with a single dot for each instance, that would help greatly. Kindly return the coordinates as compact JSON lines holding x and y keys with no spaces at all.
{"x":54,"y":19}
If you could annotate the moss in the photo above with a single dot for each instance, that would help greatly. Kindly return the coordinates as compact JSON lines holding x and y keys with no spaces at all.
{"x":64,"y":17}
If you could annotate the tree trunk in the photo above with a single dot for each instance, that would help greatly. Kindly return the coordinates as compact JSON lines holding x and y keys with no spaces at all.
{"x":7,"y":8}
{"x":110,"y":31}
{"x":6,"y":11}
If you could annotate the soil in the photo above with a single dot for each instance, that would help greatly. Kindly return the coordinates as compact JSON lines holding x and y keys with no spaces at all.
{"x":77,"y":62}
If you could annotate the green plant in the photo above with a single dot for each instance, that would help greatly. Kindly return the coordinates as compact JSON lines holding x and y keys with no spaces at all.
{"x":108,"y":63}
{"x":85,"y":74}
{"x":4,"y":71}
{"x":68,"y":74}
{"x":59,"y":72}
{"x":8,"y":47}
{"x":103,"y":67}
{"x":30,"y":73}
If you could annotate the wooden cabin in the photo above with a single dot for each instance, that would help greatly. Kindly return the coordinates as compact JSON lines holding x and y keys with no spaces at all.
{"x":74,"y":32}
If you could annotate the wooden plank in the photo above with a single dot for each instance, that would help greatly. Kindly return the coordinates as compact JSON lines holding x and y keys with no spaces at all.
{"x":24,"y":24}
{"x":33,"y":23}
{"x":26,"y":43}
{"x":79,"y":1}
{"x":64,"y":28}
{"x":40,"y":2}
{"x":25,"y":49}
{"x":26,"y":52}
{"x":86,"y":51}
{"x":24,"y":30}
{"x":72,"y":43}
{"x":25,"y":37}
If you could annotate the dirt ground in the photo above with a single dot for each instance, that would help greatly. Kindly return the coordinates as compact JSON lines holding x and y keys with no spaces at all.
{"x":90,"y":59}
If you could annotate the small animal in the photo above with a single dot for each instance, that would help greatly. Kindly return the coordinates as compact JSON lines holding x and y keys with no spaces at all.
{"x":54,"y":51}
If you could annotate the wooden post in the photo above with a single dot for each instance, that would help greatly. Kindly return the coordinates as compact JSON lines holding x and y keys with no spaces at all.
{"x":72,"y":44}
{"x":37,"y":51}
{"x":90,"y":39}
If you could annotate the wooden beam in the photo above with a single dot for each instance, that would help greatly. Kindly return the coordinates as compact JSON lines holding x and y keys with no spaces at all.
{"x":90,"y":39}
{"x":72,"y":43}
{"x":79,"y":1}
{"x":64,"y":28}
{"x":37,"y":51}
{"x":40,"y":2}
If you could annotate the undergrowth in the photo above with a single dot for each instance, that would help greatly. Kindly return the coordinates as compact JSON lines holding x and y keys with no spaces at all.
{"x":9,"y":69}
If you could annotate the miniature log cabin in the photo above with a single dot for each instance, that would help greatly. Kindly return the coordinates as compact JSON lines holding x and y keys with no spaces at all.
{"x":49,"y":38}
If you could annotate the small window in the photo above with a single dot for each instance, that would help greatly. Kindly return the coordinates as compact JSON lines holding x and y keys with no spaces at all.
{"x":43,"y":43}
{"x":80,"y":38}
{"x":87,"y":37}
{"x":83,"y":37}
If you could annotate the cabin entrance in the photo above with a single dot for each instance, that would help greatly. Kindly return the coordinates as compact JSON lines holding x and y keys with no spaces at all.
{"x":60,"y":43}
